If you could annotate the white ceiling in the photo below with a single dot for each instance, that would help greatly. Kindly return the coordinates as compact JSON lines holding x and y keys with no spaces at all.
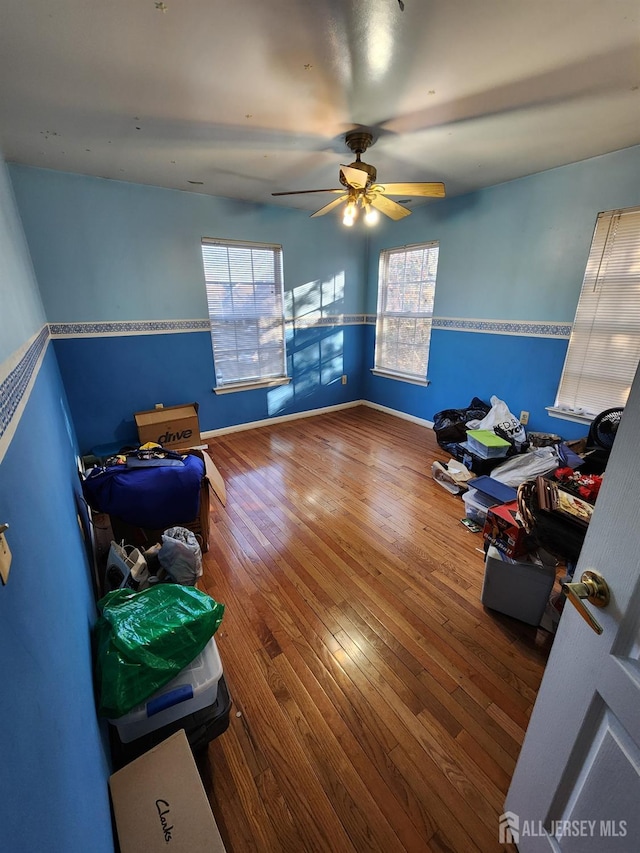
{"x":255,"y":96}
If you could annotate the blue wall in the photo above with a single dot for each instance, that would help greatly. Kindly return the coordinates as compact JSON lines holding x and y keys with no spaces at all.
{"x":53,"y":779}
{"x":514,"y":252}
{"x":121,"y":375}
{"x":106,"y":251}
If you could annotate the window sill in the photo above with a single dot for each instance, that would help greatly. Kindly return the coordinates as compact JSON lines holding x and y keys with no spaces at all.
{"x":566,"y":415}
{"x":251,"y":386}
{"x":387,"y":374}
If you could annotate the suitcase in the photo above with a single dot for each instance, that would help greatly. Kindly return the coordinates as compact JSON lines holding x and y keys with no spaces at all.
{"x":144,"y":537}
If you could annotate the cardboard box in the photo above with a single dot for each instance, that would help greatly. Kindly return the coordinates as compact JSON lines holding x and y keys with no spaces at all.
{"x":160,"y":803}
{"x":503,"y":530}
{"x":175,"y":427}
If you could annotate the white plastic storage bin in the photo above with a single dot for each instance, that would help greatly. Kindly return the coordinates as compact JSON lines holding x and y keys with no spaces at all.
{"x":487,"y":444}
{"x":517,"y":588}
{"x":194,"y":688}
{"x":476,"y":505}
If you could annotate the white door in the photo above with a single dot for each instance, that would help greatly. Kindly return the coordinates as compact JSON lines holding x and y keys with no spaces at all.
{"x":576,"y":786}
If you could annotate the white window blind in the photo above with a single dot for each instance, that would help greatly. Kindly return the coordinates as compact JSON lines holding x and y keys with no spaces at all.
{"x":604,"y":348}
{"x":246,"y":310}
{"x":406,"y":291}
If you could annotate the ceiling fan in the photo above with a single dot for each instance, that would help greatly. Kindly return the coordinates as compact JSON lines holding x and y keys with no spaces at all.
{"x":361,"y":191}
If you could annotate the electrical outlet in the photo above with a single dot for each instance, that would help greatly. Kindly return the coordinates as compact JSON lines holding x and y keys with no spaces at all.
{"x":5,"y":556}
{"x":524,"y":417}
{"x":344,"y":378}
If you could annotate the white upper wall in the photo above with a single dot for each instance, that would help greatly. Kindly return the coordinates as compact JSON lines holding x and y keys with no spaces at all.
{"x":21,"y":310}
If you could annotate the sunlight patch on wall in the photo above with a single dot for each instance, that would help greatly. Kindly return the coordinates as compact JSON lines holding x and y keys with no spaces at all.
{"x":319,"y":298}
{"x":278,"y":399}
{"x":332,"y":358}
{"x":311,"y":364}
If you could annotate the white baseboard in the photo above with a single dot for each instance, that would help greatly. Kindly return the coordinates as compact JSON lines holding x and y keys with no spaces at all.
{"x":212,"y":433}
{"x":279,"y":419}
{"x":397,"y":414}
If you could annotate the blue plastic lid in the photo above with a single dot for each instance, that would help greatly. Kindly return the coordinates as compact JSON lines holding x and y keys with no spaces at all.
{"x":493,"y":488}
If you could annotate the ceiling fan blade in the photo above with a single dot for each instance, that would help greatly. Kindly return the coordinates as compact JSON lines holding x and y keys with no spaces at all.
{"x":302,"y":192}
{"x":431,"y":190}
{"x":356,"y":178}
{"x":331,"y":206}
{"x":390,"y":208}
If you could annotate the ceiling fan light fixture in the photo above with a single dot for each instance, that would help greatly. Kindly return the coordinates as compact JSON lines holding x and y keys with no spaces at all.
{"x":371,"y":215}
{"x":350,"y":213}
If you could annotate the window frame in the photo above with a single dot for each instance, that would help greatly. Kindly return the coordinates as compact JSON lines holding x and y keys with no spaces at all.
{"x":600,"y":325}
{"x":219,"y":344}
{"x":382,"y":314}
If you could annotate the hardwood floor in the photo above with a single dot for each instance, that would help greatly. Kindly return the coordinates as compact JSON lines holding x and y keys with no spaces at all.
{"x":377,"y":705}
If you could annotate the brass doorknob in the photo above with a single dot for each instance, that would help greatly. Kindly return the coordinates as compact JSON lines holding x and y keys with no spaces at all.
{"x":592,"y":587}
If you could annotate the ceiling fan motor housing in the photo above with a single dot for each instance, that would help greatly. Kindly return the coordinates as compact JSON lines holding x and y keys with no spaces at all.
{"x":358,"y":141}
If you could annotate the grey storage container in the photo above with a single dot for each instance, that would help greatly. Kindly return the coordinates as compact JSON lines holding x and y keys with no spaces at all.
{"x":516,"y":588}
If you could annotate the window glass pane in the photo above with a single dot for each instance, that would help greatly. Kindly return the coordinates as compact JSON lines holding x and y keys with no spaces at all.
{"x":246,"y":310}
{"x":406,"y":291}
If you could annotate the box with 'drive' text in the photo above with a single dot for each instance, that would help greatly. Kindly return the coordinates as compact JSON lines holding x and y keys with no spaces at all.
{"x":174,"y":427}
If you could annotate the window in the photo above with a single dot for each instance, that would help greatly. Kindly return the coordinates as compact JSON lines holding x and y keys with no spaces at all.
{"x":604,"y":348}
{"x":406,"y":290}
{"x":246,"y":310}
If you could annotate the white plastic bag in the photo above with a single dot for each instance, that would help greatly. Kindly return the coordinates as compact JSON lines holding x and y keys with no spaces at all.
{"x":526,"y":466}
{"x":180,"y":555}
{"x":500,"y":417}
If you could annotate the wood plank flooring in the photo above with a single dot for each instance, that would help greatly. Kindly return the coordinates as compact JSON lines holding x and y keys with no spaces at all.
{"x":377,"y":705}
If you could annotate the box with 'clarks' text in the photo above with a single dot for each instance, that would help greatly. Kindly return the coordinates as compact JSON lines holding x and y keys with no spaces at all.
{"x":160,"y":804}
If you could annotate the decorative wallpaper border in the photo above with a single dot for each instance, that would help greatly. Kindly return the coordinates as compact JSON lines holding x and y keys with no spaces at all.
{"x":126,"y":327}
{"x":17,"y":377}
{"x":524,"y":328}
{"x":19,"y":372}
{"x":160,"y":327}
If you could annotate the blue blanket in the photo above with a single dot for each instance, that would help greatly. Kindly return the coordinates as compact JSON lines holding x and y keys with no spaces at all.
{"x":147,"y":497}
